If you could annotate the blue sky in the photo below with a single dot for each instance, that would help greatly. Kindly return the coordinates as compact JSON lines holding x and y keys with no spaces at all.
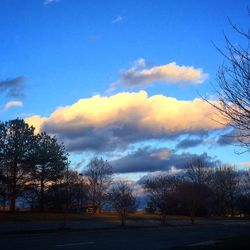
{"x":70,"y":50}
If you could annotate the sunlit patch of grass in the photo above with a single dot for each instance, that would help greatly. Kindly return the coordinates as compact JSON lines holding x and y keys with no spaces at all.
{"x":27,"y":216}
{"x":104,"y":216}
{"x":34,"y":216}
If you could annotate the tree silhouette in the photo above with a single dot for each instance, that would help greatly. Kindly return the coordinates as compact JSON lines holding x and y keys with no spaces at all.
{"x":99,"y":176}
{"x":198,"y":171}
{"x":160,"y":190}
{"x":17,"y":144}
{"x":225,"y":189}
{"x":233,"y":89}
{"x":50,"y":163}
{"x":122,"y":199}
{"x":194,"y":196}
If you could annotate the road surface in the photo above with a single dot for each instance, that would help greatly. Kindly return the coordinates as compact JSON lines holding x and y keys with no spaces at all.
{"x":121,"y":239}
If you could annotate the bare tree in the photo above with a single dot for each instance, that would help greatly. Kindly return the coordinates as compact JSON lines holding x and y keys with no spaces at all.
{"x":160,"y":190}
{"x":194,"y":196}
{"x":99,"y":176}
{"x":194,"y":190}
{"x":233,"y":90}
{"x":198,"y":171}
{"x":243,"y":201}
{"x":68,"y":194}
{"x":121,"y":198}
{"x":246,"y":182}
{"x":77,"y":189}
{"x":225,"y":188}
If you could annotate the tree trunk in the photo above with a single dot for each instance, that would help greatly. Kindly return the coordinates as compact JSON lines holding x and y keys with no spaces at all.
{"x":163,"y":219}
{"x":13,"y":187}
{"x":12,"y":203}
{"x":192,"y":219}
{"x":123,"y":218}
{"x":232,"y":212}
{"x":232,"y":207}
{"x":192,"y":215}
{"x":42,"y":195}
{"x":94,"y":199}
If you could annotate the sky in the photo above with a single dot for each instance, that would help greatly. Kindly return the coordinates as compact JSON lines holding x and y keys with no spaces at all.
{"x":120,"y":79}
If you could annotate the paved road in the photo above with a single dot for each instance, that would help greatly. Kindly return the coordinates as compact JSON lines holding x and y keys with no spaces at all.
{"x":148,"y":238}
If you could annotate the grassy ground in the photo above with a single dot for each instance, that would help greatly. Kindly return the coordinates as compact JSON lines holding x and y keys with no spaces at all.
{"x":104,"y":216}
{"x":6,"y":216}
{"x":234,"y":243}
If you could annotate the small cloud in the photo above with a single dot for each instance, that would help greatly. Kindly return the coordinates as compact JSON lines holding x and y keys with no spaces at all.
{"x":171,"y":73}
{"x":12,"y":104}
{"x":48,"y":2}
{"x":118,"y":19}
{"x":13,"y":87}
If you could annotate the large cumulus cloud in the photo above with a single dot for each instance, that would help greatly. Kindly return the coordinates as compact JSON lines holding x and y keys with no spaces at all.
{"x":106,"y":123}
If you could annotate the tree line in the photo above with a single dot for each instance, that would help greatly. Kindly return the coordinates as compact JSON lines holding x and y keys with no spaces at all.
{"x":202,"y":190}
{"x":29,"y":163}
{"x":35,"y":168}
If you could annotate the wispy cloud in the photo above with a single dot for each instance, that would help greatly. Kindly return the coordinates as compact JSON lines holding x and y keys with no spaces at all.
{"x":48,"y":2}
{"x":117,"y":19}
{"x":13,"y":87}
{"x":141,"y":75}
{"x":189,"y":143}
{"x":12,"y":104}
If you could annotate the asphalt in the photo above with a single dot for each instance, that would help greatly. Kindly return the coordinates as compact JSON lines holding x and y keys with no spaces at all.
{"x":130,"y":238}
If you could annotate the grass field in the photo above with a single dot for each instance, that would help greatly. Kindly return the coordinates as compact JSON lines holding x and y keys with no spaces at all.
{"x":104,"y":216}
{"x":28,"y":216}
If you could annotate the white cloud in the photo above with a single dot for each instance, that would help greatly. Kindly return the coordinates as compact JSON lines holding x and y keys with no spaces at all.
{"x":109,"y":122}
{"x":12,"y":104}
{"x":139,"y":75}
{"x":118,"y":19}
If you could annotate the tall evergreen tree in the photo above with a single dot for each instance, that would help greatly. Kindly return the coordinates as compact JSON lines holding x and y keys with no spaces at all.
{"x":50,"y":164}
